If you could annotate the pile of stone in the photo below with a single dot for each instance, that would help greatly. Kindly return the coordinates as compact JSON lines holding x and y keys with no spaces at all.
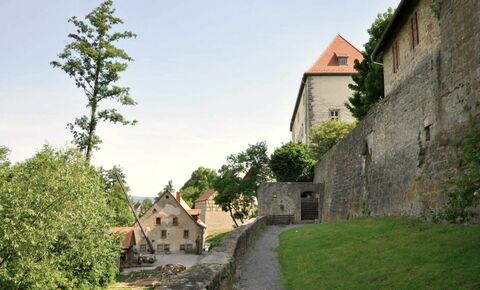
{"x":170,"y":270}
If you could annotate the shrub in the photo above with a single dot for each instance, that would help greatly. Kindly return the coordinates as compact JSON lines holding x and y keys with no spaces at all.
{"x":325,"y":135}
{"x":293,"y":162}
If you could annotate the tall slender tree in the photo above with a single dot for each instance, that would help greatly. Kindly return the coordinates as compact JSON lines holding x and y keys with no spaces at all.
{"x":368,"y":81}
{"x":95,"y":64}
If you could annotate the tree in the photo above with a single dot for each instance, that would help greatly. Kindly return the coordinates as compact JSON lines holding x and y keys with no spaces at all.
{"x":146,"y":204}
{"x":167,"y":188}
{"x":325,"y":135}
{"x":200,"y":181}
{"x":54,"y":225}
{"x":95,"y":64}
{"x":121,"y":212}
{"x":368,"y":81}
{"x":239,"y":180}
{"x":293,"y":162}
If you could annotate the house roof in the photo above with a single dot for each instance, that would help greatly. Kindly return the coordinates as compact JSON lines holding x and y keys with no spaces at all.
{"x":401,"y":14}
{"x":195,"y":211}
{"x":127,"y":233}
{"x":206,"y":195}
{"x":327,"y":64}
{"x":174,"y":197}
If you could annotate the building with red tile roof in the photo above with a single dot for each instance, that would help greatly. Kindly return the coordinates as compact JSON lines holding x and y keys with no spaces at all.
{"x":324,"y":89}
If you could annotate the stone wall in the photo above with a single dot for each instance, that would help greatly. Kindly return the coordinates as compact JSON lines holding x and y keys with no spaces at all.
{"x":396,"y":160}
{"x":283,"y":198}
{"x":216,"y":271}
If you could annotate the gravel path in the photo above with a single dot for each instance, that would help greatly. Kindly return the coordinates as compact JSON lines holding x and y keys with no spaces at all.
{"x":259,"y":268}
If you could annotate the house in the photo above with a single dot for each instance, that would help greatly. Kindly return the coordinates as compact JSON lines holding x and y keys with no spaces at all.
{"x":172,"y":227}
{"x":127,"y":237}
{"x":324,"y":89}
{"x":212,"y":214}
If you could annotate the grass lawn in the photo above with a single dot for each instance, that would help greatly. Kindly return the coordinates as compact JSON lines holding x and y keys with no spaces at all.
{"x":216,"y":238}
{"x":380,"y":253}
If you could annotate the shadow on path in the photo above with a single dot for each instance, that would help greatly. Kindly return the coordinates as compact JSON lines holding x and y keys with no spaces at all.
{"x":259,"y":268}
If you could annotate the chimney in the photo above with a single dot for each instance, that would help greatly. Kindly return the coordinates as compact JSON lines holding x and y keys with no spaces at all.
{"x":178,"y":196}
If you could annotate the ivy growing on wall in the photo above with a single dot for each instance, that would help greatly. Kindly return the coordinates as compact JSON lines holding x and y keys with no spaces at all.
{"x":463,"y":191}
{"x":436,"y":6}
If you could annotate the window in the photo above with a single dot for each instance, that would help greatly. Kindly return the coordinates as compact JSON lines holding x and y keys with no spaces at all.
{"x":342,"y":61}
{"x":175,"y":221}
{"x":154,"y":210}
{"x":164,"y":234}
{"x":414,"y":37}
{"x":186,"y":233}
{"x":143,"y":248}
{"x":334,"y":115}
{"x":158,"y":221}
{"x":186,"y":247}
{"x":396,"y":56}
{"x":427,"y":133}
{"x":163,"y":248}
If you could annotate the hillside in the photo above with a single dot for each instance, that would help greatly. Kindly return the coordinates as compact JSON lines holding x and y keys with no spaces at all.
{"x":386,"y":253}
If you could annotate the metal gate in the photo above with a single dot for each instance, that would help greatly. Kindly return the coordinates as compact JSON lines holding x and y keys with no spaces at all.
{"x":309,"y":206}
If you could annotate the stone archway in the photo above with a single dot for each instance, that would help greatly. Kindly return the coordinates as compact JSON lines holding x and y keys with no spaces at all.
{"x":308,"y":206}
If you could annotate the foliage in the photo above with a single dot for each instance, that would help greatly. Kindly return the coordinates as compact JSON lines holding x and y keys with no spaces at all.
{"x":200,"y":181}
{"x":325,"y":135}
{"x":121,"y":212}
{"x":95,"y":64}
{"x":463,"y":191}
{"x":54,"y":217}
{"x":368,"y":81}
{"x":380,"y":253}
{"x":167,"y":188}
{"x":293,"y":162}
{"x":146,"y":204}
{"x":239,"y":180}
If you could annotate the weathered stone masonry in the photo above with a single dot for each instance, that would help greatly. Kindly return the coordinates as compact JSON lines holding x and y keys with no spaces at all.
{"x":396,"y":160}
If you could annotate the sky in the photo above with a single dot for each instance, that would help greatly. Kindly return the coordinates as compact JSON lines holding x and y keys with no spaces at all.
{"x":210,"y":77}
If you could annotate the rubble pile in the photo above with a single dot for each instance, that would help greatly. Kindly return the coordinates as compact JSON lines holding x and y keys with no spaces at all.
{"x":170,"y":269}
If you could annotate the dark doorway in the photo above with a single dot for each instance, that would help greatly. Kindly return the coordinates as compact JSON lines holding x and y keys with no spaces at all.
{"x":308,"y":206}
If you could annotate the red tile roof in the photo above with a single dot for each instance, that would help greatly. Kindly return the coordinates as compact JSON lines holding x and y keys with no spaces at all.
{"x":206,"y":195}
{"x":327,"y":63}
{"x":127,"y":233}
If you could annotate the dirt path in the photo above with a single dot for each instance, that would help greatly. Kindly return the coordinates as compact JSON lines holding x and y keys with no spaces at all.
{"x":259,"y":268}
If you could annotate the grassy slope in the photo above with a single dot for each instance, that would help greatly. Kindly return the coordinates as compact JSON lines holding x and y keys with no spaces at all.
{"x":380,"y":253}
{"x":217,"y":238}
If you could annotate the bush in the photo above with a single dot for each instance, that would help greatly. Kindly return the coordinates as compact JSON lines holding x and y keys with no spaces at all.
{"x":325,"y":135}
{"x":54,"y":224}
{"x":293,"y":162}
{"x":463,"y":191}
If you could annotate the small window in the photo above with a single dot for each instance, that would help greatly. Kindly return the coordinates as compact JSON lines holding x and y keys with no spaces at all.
{"x":175,"y":221}
{"x":164,"y":234}
{"x":160,"y":248}
{"x":143,"y":248}
{"x":427,"y":133}
{"x":334,"y":115}
{"x":342,"y":61}
{"x":396,"y":56}
{"x":158,"y":221}
{"x":166,"y":247}
{"x":167,"y":197}
{"x":414,"y":36}
{"x":182,"y":247}
{"x":186,"y":233}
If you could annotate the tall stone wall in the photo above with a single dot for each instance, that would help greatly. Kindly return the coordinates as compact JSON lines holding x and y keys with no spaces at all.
{"x":396,"y":160}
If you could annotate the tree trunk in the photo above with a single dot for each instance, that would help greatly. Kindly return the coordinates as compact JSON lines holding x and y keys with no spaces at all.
{"x":93,"y":105}
{"x":231,"y":215}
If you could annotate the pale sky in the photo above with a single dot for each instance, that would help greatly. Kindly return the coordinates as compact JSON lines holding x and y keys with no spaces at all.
{"x":210,"y":77}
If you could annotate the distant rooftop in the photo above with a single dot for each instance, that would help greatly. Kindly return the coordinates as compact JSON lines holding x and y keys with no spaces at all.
{"x":329,"y":61}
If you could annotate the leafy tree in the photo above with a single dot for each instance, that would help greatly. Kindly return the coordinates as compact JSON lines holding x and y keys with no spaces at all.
{"x":95,"y":64}
{"x":325,"y":135}
{"x":167,"y":188}
{"x":121,"y":212}
{"x":54,"y":217}
{"x":146,"y":204}
{"x":239,"y":180}
{"x":293,"y":162}
{"x":368,"y":81}
{"x":200,"y":181}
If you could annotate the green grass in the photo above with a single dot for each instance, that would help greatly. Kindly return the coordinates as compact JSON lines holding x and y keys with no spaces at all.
{"x":380,"y":253}
{"x":216,"y":239}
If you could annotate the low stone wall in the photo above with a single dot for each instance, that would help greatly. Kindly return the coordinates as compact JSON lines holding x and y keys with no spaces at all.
{"x":217,"y":269}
